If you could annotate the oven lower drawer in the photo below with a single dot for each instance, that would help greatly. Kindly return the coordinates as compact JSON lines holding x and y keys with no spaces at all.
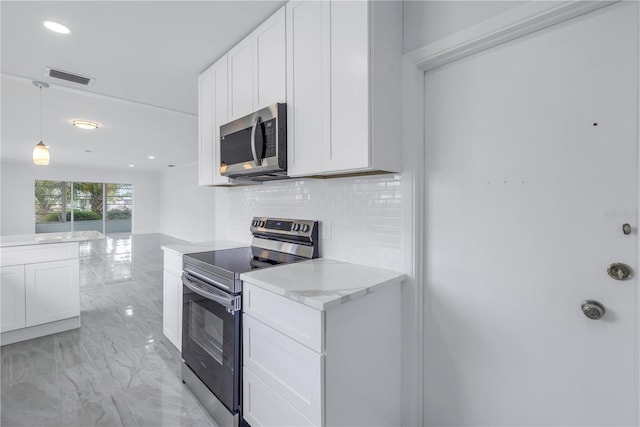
{"x":212,"y":404}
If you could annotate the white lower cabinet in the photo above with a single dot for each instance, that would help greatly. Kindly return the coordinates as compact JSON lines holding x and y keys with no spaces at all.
{"x":12,"y":297}
{"x":303,"y":366}
{"x":40,"y":290}
{"x":172,"y":298}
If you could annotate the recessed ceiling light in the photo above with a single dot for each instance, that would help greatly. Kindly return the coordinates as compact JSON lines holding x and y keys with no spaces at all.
{"x":151,"y":157}
{"x":131,"y":165}
{"x":56,"y":27}
{"x":85,"y":124}
{"x":171,"y":166}
{"x":88,"y":151}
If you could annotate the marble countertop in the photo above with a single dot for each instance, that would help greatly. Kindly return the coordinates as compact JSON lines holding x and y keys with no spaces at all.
{"x":45,"y":238}
{"x":189,"y":248}
{"x":322,"y":283}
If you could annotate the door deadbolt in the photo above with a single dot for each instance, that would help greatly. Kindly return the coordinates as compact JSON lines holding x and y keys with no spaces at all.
{"x":592,"y":309}
{"x":619,"y":271}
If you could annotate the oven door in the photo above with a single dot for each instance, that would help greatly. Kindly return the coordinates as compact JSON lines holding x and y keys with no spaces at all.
{"x":211,"y":339}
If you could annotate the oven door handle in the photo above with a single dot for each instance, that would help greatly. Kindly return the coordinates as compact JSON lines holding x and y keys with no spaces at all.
{"x":254,"y":152}
{"x":225,"y":300}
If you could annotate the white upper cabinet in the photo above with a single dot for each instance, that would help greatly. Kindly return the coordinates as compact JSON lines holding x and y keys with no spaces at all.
{"x":241,"y":81}
{"x":308,"y":85}
{"x":212,"y":112}
{"x":257,"y":68}
{"x":343,"y":95}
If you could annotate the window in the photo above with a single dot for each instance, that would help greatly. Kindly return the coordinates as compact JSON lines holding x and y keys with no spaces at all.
{"x":81,"y":206}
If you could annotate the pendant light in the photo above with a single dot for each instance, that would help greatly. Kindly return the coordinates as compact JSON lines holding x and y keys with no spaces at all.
{"x":41,"y":151}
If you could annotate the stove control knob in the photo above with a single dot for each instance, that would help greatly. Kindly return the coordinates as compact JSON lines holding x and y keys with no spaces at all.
{"x":255,"y":222}
{"x":305,"y":228}
{"x":261,"y":223}
{"x":295,"y":227}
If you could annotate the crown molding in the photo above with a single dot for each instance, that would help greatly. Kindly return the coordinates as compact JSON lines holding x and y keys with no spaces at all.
{"x":518,"y":22}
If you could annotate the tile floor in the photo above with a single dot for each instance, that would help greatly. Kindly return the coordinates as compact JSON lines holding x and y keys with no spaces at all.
{"x":117,"y":369}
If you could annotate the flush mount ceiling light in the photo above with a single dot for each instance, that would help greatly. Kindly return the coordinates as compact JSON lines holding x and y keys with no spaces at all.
{"x":151,"y":157}
{"x":41,"y":151}
{"x":85,"y":124}
{"x":56,"y":27}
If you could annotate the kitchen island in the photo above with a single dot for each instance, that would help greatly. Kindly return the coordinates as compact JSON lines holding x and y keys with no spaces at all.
{"x":40,"y":284}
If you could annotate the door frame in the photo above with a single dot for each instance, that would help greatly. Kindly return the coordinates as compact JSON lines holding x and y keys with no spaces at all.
{"x":510,"y":25}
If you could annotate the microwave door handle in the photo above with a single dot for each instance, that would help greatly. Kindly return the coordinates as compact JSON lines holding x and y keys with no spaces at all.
{"x":256,"y":122}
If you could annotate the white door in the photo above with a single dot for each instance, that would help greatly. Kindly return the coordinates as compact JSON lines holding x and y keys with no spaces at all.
{"x":531,"y":172}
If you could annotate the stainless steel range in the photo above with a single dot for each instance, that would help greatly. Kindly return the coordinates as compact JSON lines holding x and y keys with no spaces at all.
{"x":212,"y":308}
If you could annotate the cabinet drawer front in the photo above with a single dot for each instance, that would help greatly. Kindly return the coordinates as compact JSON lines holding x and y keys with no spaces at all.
{"x":295,"y":320}
{"x":38,"y":253}
{"x":291,"y":369}
{"x":264,"y":407}
{"x":173,"y":262}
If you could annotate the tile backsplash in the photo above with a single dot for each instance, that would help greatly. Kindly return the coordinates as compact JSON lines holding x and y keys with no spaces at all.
{"x":360,"y":217}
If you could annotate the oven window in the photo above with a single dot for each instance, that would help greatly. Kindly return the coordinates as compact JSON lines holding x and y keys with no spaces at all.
{"x":207,"y":330}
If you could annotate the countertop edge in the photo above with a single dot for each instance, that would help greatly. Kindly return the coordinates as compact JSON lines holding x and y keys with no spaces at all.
{"x":49,"y":238}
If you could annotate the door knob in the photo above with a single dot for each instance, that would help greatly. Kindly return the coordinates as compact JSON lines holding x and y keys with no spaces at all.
{"x":619,"y":271}
{"x":592,"y":309}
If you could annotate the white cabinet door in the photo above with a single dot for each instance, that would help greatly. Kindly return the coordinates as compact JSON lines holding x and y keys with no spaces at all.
{"x":241,"y":78}
{"x":212,"y":112}
{"x":172,"y":308}
{"x":308,"y":85}
{"x":257,"y":68}
{"x":263,"y":407}
{"x":349,"y":141}
{"x":12,"y":298}
{"x":270,"y":61}
{"x":52,"y":291}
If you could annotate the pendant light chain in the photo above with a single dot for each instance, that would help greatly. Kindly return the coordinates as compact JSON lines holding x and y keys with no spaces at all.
{"x":41,"y":151}
{"x":40,"y":86}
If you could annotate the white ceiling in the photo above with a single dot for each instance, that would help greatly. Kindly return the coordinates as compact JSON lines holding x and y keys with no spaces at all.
{"x":145,"y":57}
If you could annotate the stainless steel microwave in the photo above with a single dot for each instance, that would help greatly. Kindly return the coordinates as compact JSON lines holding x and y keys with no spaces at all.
{"x":255,"y":146}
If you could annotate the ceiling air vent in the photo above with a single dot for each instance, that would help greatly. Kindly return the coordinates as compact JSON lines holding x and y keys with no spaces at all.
{"x":70,"y":77}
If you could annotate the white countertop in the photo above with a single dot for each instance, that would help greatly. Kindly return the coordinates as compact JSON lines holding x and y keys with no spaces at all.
{"x":189,"y":248}
{"x":322,"y":283}
{"x":45,"y":238}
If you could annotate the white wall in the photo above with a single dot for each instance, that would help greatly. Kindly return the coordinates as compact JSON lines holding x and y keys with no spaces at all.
{"x":17,"y":182}
{"x":426,"y":22}
{"x":187,"y":210}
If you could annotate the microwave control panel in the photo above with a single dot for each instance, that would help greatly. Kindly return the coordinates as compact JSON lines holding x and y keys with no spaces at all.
{"x":270,"y":138}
